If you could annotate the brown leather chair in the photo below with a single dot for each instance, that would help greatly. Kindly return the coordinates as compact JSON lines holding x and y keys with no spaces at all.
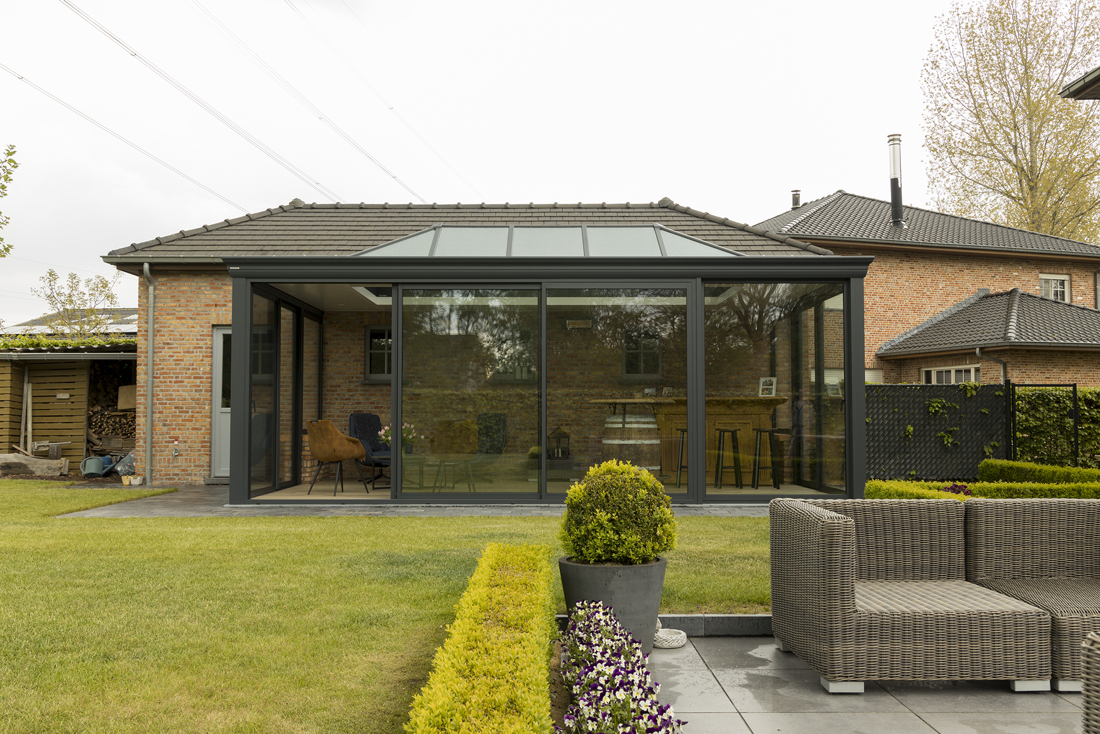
{"x":329,"y":446}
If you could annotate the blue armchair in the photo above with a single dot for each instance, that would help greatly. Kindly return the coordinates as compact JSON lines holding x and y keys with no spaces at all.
{"x":365,"y":427}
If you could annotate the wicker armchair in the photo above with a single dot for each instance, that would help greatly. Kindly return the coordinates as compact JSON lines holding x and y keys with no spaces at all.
{"x":876,"y":590}
{"x":1045,"y":552}
{"x":1091,"y":689}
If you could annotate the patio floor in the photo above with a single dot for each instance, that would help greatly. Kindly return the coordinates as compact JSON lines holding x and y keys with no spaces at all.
{"x":743,"y":685}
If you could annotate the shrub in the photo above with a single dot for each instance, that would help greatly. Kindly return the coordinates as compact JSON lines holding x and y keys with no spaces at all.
{"x":606,"y":672}
{"x":492,"y":673}
{"x":896,"y":489}
{"x":997,"y":470}
{"x":618,"y":513}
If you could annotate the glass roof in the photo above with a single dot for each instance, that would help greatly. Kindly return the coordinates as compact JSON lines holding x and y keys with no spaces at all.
{"x":646,"y":240}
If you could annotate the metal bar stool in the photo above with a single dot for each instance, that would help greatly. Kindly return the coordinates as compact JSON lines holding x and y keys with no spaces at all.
{"x":680,"y":455}
{"x":773,"y":452}
{"x":719,"y":465}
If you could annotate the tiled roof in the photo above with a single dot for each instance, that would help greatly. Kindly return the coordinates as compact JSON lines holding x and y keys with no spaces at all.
{"x":844,"y":216}
{"x":123,"y":321}
{"x":1086,"y":86}
{"x":1009,"y":319}
{"x":343,"y":229}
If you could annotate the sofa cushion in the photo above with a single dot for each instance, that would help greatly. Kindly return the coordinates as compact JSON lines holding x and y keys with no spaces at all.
{"x":933,"y":597}
{"x":1079,"y":596}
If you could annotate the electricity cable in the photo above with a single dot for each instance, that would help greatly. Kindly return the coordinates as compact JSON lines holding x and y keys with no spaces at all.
{"x":293,"y":91}
{"x":108,"y":130}
{"x":377,"y":94}
{"x":249,"y":137}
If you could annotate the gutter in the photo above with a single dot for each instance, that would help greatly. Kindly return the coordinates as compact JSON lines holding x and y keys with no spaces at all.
{"x":1004,"y":365}
{"x":150,"y":304}
{"x":67,"y":356}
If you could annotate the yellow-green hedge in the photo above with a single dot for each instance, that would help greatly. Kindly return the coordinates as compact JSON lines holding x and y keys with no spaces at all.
{"x":492,"y":673}
{"x":999,"y":470}
{"x":884,"y":489}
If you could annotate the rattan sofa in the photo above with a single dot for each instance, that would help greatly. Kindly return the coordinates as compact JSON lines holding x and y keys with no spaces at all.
{"x":876,"y":590}
{"x":1090,"y":654}
{"x":1045,"y":552}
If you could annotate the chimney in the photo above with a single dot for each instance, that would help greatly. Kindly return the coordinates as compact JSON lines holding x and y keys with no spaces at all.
{"x":796,"y":199}
{"x":895,"y":180}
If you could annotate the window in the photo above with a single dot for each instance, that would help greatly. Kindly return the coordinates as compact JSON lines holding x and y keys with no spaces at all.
{"x":952,"y":375}
{"x":263,"y":353}
{"x":641,"y":354}
{"x":1055,"y":287}
{"x":379,"y":353}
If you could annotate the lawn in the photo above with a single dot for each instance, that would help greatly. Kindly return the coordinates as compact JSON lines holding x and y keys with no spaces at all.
{"x":290,"y":624}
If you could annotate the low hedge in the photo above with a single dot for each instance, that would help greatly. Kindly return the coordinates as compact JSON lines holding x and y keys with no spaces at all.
{"x":999,"y":470}
{"x":881,"y":490}
{"x":492,"y":673}
{"x":886,"y":489}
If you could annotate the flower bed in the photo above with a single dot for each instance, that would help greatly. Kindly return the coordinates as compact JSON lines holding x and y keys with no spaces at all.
{"x":492,"y":673}
{"x":606,"y":673}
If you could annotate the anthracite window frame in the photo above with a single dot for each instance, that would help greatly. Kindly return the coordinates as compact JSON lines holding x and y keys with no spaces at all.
{"x":387,"y":375}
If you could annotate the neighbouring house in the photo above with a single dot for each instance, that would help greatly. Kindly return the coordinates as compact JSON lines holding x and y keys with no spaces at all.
{"x":521,"y":344}
{"x":1086,"y":86}
{"x":77,"y":393}
{"x":926,"y":263}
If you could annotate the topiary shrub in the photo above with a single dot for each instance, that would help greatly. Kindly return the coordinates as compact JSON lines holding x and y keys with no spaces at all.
{"x":618,"y":513}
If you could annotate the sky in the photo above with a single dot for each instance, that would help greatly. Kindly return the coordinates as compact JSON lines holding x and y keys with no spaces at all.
{"x":721,"y":106}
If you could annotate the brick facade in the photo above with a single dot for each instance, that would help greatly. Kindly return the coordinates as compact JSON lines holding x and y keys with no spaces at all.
{"x":929,"y":282}
{"x":1022,"y":365}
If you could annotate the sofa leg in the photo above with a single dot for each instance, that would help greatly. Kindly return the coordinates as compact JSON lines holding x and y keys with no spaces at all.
{"x":842,"y":686}
{"x":781,"y":646}
{"x":1065,"y":685}
{"x":1021,"y":686}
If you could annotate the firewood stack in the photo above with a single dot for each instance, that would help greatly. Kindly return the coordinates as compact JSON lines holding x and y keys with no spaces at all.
{"x":110,"y":428}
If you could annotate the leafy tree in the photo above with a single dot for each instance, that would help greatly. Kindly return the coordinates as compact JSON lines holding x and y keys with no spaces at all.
{"x":1003,"y":145}
{"x":7,"y":165}
{"x":78,"y":309}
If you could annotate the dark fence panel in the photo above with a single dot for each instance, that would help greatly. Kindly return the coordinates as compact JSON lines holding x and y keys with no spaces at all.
{"x":935,"y":432}
{"x":1046,"y":425}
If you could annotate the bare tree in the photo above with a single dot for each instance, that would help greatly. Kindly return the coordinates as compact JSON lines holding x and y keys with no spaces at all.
{"x":78,"y":309}
{"x":1003,"y":145}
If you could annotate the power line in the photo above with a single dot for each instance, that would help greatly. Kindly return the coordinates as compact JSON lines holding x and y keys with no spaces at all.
{"x":133,"y":145}
{"x":249,"y":137}
{"x":293,"y":91}
{"x":377,"y":94}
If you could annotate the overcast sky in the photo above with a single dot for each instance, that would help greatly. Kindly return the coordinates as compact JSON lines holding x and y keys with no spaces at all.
{"x":722,"y":106}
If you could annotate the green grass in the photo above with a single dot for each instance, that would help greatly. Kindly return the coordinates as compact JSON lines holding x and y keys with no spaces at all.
{"x":291,"y":624}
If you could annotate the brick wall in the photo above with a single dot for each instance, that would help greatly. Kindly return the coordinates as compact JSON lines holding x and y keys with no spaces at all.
{"x":1024,"y":366}
{"x":927,"y":283}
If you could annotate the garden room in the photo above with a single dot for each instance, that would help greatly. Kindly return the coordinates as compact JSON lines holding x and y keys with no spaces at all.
{"x":465,"y":364}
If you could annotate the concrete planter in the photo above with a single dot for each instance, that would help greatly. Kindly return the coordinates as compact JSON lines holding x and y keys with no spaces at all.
{"x":633,"y":592}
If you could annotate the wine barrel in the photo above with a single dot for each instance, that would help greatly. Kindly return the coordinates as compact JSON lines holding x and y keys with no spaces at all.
{"x":638,"y":441}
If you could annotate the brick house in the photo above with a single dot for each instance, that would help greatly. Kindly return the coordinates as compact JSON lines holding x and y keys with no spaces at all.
{"x":585,"y":332}
{"x":927,"y":263}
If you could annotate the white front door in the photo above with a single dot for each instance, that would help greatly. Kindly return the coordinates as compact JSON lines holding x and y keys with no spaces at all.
{"x":219,"y":439}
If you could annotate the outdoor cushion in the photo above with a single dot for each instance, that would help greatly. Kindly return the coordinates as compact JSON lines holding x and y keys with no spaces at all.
{"x":934,"y":597}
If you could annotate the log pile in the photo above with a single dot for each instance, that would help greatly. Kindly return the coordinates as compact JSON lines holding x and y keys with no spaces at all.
{"x":108,"y":422}
{"x":109,"y":429}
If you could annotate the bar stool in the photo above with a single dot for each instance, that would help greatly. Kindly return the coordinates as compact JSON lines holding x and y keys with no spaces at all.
{"x":719,"y":464}
{"x":773,"y":450}
{"x":680,"y":455}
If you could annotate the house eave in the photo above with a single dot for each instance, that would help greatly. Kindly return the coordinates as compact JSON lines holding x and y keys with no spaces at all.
{"x":924,"y":247}
{"x":993,"y":346}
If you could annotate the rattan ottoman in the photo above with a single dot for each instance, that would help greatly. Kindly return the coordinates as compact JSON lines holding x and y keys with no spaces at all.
{"x":876,"y":590}
{"x":1045,"y":552}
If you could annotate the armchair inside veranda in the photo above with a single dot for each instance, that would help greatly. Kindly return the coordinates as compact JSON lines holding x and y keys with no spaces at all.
{"x":328,"y":446}
{"x":366,"y":427}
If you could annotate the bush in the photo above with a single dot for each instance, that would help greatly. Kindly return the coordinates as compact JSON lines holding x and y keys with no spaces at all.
{"x":492,"y":673}
{"x":618,"y":513}
{"x":997,"y":470}
{"x":606,"y":672}
{"x":896,"y":489}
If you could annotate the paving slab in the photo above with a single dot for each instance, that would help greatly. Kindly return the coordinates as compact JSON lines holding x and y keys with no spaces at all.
{"x":978,"y":723}
{"x":723,"y":653}
{"x":979,"y":696}
{"x":837,"y":723}
{"x":788,"y":691}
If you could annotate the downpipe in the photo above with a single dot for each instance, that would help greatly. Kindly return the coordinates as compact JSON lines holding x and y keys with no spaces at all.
{"x":1004,"y":365}
{"x":150,"y":304}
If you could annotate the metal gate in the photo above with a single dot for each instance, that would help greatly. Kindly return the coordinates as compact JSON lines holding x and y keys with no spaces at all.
{"x":1044,"y":424}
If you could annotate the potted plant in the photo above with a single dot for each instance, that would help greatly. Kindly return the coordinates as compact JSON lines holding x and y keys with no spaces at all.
{"x":618,"y":520}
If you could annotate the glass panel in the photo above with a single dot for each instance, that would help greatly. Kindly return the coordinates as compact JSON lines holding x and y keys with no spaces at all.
{"x":227,"y":373}
{"x":470,"y":395}
{"x":472,"y":242}
{"x":287,"y":425}
{"x":262,"y":403}
{"x":616,"y":382}
{"x":678,"y":246}
{"x":623,"y":242}
{"x":311,"y":384}
{"x":547,"y":242}
{"x":774,"y":388}
{"x":419,"y":245}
